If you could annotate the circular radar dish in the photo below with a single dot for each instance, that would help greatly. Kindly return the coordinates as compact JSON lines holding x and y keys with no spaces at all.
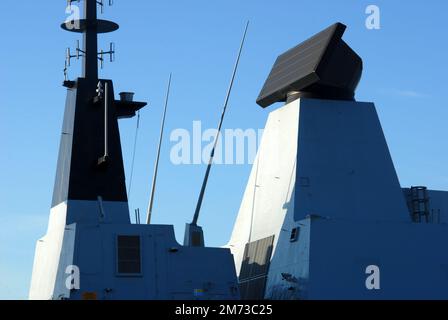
{"x":80,"y":26}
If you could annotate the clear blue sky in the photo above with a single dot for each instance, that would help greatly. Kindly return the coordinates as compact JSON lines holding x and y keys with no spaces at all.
{"x":405,"y":69}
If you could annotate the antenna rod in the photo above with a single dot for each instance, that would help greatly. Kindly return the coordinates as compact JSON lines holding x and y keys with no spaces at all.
{"x":156,"y":168}
{"x":106,"y":118}
{"x":90,"y":69}
{"x":212,"y":154}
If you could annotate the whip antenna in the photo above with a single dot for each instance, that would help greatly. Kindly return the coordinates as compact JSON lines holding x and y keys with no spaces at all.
{"x":156,"y":168}
{"x":193,"y":233}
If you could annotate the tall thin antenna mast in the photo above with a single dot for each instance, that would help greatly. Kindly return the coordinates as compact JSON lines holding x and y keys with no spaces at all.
{"x":90,"y":27}
{"x":90,"y":69}
{"x":212,"y":154}
{"x":156,"y":168}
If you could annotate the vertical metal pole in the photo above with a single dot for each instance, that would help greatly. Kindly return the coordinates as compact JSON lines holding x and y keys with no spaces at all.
{"x":134,"y":151}
{"x":212,"y":154}
{"x":106,"y":116}
{"x":137,"y":216}
{"x":156,"y":168}
{"x":90,"y":60}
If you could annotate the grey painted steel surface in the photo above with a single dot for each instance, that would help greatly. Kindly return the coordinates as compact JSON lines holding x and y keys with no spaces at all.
{"x":90,"y":211}
{"x":324,"y":167}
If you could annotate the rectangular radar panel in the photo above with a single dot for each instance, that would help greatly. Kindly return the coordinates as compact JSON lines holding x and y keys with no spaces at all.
{"x":323,"y":66}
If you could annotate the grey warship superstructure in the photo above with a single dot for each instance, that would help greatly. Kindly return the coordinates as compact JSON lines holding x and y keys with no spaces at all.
{"x":91,"y":249}
{"x":323,"y":215}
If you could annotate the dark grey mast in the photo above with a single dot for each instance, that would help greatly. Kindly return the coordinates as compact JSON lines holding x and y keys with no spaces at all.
{"x":90,"y":162}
